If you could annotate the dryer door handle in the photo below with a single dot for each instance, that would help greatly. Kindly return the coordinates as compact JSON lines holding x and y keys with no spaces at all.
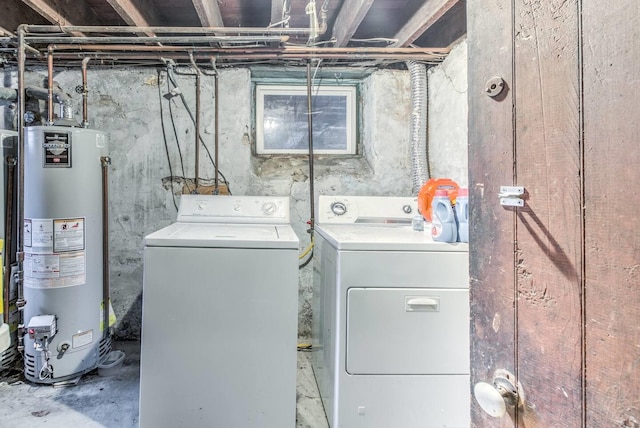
{"x":422,"y":304}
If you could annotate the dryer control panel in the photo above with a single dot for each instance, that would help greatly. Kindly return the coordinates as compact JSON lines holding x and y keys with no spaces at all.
{"x":379,"y":210}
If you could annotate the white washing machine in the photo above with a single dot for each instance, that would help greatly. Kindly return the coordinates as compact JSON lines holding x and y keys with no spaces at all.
{"x":390,"y":318}
{"x":219,"y":316}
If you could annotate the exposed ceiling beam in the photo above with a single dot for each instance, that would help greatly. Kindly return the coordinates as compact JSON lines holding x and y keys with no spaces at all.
{"x":137,"y":13}
{"x":277,"y":7}
{"x":4,"y":32}
{"x":208,"y":12}
{"x":348,"y":20}
{"x":430,"y":12}
{"x":14,"y":13}
{"x":63,"y":13}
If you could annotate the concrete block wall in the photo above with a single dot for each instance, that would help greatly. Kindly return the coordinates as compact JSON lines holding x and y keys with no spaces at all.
{"x":126,"y":103}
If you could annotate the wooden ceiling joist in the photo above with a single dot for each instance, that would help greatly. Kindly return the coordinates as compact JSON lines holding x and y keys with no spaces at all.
{"x":208,"y":12}
{"x":430,"y":12}
{"x":137,"y":13}
{"x":63,"y":13}
{"x":349,"y":19}
{"x":277,"y":8}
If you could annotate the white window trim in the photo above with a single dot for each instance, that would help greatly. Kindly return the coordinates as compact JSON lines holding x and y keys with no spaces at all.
{"x":351,"y":119}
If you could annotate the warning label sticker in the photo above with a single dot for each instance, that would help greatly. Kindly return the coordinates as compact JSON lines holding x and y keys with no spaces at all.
{"x":68,"y":235}
{"x":38,"y":235}
{"x":54,"y":270}
{"x":54,"y":252}
{"x":57,"y":150}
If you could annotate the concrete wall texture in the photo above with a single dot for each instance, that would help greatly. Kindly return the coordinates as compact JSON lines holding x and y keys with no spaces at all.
{"x":129,"y":105}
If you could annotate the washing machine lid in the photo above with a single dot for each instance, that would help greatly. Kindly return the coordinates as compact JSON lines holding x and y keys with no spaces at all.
{"x":368,"y":237}
{"x":224,"y":235}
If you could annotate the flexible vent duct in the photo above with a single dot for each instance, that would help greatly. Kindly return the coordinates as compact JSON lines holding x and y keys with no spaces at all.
{"x":419,"y":164}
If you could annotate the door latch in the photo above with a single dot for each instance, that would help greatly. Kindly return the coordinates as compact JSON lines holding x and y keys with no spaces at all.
{"x":511,"y":196}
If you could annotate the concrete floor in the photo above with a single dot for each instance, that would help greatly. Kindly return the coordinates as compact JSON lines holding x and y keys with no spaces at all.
{"x":113,"y":401}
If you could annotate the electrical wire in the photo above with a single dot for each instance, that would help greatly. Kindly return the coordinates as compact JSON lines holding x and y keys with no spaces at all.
{"x":306,"y":251}
{"x":306,"y":262}
{"x":186,"y":106}
{"x":175,"y":133}
{"x":166,"y":144}
{"x":304,"y":347}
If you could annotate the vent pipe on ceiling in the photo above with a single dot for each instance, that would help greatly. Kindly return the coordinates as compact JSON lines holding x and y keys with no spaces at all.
{"x":419,"y":155}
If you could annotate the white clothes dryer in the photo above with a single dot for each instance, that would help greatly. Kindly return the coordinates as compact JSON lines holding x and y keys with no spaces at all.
{"x":390,"y":318}
{"x":219,"y":316}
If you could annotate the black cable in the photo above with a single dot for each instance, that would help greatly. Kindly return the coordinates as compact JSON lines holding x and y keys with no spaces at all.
{"x":166,"y":145}
{"x":306,"y":262}
{"x":186,"y":106}
{"x":175,"y":133}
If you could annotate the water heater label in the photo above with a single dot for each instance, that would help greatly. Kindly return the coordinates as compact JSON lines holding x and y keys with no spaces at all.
{"x":56,"y":150}
{"x":54,"y":252}
{"x":54,"y":270}
{"x":68,"y":235}
{"x":82,"y":339}
{"x":38,"y":234}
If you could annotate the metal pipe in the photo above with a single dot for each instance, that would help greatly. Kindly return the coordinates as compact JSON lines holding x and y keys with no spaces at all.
{"x":197,"y":131}
{"x":107,"y":56}
{"x":105,"y":161}
{"x":49,"y":87}
{"x":85,"y":92}
{"x":175,"y":39}
{"x":197,"y":120}
{"x":59,"y":97}
{"x":310,"y":126}
{"x":163,"y":30}
{"x":20,"y":302}
{"x":419,"y":151}
{"x":216,"y":132}
{"x":8,"y":94}
{"x":8,"y":233}
{"x":255,"y":50}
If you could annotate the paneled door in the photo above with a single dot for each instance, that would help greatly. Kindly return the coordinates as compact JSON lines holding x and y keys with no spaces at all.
{"x":554,"y":90}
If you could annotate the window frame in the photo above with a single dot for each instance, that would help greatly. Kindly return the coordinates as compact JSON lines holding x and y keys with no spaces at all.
{"x":351,"y":116}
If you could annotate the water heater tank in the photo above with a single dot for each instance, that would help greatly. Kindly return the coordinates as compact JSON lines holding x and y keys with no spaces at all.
{"x":62,"y":240}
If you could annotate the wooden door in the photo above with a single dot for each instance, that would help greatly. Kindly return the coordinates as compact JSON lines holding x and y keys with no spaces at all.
{"x":555,"y":293}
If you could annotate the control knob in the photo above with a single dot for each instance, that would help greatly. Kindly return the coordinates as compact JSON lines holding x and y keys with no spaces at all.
{"x":338,"y":208}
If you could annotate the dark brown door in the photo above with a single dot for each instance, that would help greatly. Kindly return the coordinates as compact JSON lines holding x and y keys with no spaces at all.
{"x":555,"y":285}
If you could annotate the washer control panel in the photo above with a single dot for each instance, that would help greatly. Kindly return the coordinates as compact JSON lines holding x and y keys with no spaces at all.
{"x":233,"y":209}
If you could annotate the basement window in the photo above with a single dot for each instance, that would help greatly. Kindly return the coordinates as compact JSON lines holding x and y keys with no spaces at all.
{"x":282,"y":122}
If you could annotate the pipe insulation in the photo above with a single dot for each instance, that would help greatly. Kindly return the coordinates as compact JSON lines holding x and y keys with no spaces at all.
{"x":419,"y":163}
{"x":59,"y":97}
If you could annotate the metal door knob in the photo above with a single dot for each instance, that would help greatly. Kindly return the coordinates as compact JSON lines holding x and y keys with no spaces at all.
{"x":495,"y":398}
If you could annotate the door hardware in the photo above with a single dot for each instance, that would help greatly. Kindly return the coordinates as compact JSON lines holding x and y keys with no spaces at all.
{"x":495,"y":398}
{"x":511,"y":196}
{"x":495,"y":86}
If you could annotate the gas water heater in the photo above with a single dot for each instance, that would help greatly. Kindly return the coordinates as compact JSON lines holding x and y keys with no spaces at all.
{"x":65,"y":334}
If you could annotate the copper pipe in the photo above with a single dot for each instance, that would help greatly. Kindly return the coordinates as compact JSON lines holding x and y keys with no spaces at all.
{"x":20,"y":302}
{"x":8,"y":233}
{"x":197,"y":120}
{"x":85,"y":92}
{"x":189,"y":40}
{"x":106,"y":56}
{"x":256,"y":50}
{"x":216,"y":134}
{"x":163,"y":30}
{"x":310,"y":126}
{"x":50,"y":86}
{"x":105,"y":161}
{"x":197,"y":173}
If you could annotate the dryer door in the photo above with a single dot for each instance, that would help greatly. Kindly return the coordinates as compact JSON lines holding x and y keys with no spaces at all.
{"x":412,"y":331}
